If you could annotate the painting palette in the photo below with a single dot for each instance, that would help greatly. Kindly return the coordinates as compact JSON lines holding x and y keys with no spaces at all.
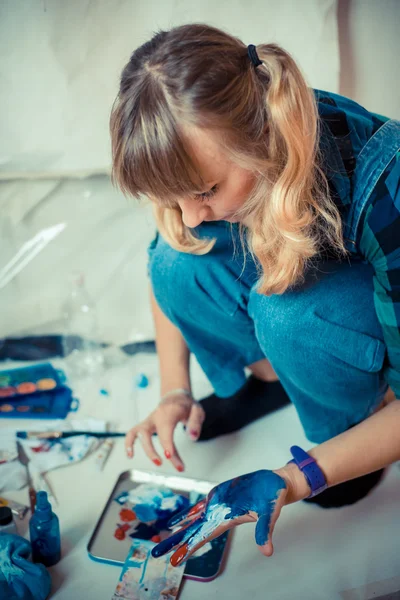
{"x":119,"y":524}
{"x":21,"y":381}
{"x":35,"y":392}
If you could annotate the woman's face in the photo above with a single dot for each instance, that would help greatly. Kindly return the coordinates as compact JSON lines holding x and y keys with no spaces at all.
{"x":228,"y":185}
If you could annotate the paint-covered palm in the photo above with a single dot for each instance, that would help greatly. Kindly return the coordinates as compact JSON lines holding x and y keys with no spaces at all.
{"x":254,"y":497}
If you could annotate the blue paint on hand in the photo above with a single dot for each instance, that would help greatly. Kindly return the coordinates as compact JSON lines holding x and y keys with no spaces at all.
{"x":255,"y":492}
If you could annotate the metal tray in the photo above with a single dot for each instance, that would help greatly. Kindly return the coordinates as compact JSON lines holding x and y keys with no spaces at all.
{"x":104,"y":547}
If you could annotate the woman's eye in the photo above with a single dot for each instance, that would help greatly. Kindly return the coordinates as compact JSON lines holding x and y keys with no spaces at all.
{"x":209,"y":194}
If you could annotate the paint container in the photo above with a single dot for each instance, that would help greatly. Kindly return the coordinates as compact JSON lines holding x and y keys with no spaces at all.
{"x":18,"y":509}
{"x":30,"y":379}
{"x":103,"y":453}
{"x":7,"y":523}
{"x":44,"y":530}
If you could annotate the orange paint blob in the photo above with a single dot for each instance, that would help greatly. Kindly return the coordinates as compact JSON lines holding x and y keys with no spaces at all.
{"x":26,"y":388}
{"x":46,"y":384}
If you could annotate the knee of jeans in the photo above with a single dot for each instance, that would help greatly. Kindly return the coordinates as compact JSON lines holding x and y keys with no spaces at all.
{"x":193,"y":284}
{"x":167,"y":268}
{"x":290,"y":327}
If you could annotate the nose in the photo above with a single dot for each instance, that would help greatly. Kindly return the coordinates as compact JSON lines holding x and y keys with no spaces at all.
{"x":193,"y":214}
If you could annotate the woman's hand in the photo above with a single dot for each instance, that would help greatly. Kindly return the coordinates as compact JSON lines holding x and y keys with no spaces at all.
{"x":175,"y":409}
{"x":255,"y":497}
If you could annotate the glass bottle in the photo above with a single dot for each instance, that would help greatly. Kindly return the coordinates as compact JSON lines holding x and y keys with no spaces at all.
{"x":81,"y":342}
{"x":44,"y":530}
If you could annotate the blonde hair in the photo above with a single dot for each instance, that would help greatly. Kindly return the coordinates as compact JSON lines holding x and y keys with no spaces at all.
{"x":266,"y":120}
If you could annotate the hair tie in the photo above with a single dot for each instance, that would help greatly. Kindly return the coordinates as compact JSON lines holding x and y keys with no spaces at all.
{"x":252,"y":52}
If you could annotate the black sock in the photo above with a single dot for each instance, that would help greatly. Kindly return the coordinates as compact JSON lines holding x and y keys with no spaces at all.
{"x":255,"y":399}
{"x":348,"y":492}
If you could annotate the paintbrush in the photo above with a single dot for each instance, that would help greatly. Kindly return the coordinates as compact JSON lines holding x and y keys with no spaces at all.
{"x":57,"y":435}
{"x":24,"y":460}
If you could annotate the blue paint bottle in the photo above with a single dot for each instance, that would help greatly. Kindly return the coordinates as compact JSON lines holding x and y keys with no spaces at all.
{"x":44,"y":530}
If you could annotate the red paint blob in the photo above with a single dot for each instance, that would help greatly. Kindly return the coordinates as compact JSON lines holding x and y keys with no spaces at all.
{"x":120,"y":532}
{"x":156,"y":539}
{"x":126,"y":514}
{"x":45,"y":447}
{"x":7,"y":391}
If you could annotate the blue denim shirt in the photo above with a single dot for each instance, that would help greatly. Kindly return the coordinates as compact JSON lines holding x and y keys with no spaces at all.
{"x":361,"y":158}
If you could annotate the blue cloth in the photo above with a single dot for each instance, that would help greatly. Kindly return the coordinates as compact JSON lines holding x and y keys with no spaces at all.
{"x":20,"y":579}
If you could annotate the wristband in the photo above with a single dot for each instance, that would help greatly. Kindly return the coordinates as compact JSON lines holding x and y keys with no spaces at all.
{"x":175,"y":392}
{"x":311,"y":471}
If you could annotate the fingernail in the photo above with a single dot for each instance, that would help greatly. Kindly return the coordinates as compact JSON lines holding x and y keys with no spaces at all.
{"x":180,"y":468}
{"x":194,"y":433}
{"x":167,"y":454}
{"x":179,"y":555}
{"x":157,"y":462}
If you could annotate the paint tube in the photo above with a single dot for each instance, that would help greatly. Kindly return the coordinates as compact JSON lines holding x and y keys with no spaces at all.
{"x":18,"y":509}
{"x":103,"y":453}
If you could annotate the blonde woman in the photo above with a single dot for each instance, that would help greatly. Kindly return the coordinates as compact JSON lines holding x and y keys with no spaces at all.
{"x":278,"y":212}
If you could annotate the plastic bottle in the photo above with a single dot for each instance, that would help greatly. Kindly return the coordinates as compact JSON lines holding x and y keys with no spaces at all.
{"x":81,"y":342}
{"x":7,"y":523}
{"x":44,"y":531}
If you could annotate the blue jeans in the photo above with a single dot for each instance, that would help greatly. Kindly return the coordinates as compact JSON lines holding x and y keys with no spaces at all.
{"x":328,"y":356}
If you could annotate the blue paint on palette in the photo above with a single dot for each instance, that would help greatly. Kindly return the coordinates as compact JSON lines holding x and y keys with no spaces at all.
{"x":154,"y":502}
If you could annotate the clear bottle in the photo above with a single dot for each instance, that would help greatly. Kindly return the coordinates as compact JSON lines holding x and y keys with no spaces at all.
{"x":7,"y":523}
{"x":81,"y":342}
{"x":44,"y":531}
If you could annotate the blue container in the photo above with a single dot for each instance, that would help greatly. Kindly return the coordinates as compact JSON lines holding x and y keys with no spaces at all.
{"x":35,"y":392}
{"x":44,"y":531}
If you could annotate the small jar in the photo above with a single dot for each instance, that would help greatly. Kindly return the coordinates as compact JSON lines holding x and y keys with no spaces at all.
{"x":7,"y":523}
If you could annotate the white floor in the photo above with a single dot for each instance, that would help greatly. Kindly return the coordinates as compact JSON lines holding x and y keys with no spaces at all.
{"x":350,"y":553}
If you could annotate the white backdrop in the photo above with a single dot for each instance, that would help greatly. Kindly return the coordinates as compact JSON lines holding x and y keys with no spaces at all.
{"x":61,"y":61}
{"x":60,"y":64}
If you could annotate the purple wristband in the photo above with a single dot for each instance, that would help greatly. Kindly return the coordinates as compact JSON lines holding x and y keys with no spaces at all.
{"x":311,"y":471}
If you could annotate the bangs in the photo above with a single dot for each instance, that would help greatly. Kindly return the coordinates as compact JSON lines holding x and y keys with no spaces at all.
{"x":152,"y":157}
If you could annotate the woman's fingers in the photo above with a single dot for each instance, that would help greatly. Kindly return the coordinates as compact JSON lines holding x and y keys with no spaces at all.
{"x":266,"y":525}
{"x":129,"y":441}
{"x":166,"y":437}
{"x":176,"y":538}
{"x":195,"y":421}
{"x":187,"y":514}
{"x":145,"y":436}
{"x":197,"y":539}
